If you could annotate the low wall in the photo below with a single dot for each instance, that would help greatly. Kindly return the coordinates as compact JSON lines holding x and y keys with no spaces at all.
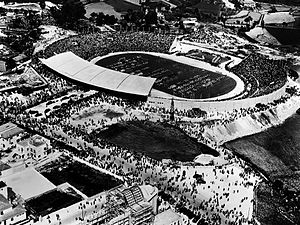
{"x":213,"y":106}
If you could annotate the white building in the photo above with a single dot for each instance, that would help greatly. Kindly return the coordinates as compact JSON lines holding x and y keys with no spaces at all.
{"x":35,"y":147}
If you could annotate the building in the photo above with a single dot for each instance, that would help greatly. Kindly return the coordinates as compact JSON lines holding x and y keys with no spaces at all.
{"x":35,"y":147}
{"x":9,"y":135}
{"x":134,"y":205}
{"x":248,"y":3}
{"x":11,"y":211}
{"x":6,"y":58}
{"x":243,"y":18}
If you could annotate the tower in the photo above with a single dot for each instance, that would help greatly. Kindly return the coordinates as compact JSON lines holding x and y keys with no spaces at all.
{"x":172,"y":117}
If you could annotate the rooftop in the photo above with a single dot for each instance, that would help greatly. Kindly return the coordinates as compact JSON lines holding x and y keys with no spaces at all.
{"x":37,"y":140}
{"x":52,"y":201}
{"x":279,"y":18}
{"x":73,"y":67}
{"x":4,"y":166}
{"x":4,"y":203}
{"x":28,"y":183}
{"x":2,"y":184}
{"x":9,"y":130}
{"x":14,"y":212}
{"x":23,"y":143}
{"x":6,"y":52}
{"x":166,"y":217}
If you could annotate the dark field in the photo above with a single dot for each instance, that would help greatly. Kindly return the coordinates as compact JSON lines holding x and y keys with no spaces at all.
{"x":86,"y":179}
{"x":286,"y":36}
{"x":51,"y":202}
{"x":275,"y":151}
{"x":156,"y":140}
{"x":172,"y":77}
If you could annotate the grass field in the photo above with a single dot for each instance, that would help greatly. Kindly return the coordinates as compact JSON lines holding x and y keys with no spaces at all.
{"x":156,"y":140}
{"x":86,"y":179}
{"x":172,"y":77}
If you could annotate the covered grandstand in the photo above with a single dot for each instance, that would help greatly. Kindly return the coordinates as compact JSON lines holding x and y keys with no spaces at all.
{"x":77,"y":69}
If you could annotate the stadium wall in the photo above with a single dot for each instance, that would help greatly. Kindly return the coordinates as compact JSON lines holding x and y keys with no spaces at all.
{"x":213,"y":106}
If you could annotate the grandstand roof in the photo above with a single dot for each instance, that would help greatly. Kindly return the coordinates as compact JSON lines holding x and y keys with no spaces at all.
{"x":72,"y":66}
{"x":279,"y":18}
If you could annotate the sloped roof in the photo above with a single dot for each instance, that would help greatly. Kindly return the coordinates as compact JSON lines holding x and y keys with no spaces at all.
{"x":75,"y":68}
{"x":278,"y":17}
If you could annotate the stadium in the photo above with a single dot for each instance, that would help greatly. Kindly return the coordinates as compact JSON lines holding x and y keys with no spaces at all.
{"x":162,"y":69}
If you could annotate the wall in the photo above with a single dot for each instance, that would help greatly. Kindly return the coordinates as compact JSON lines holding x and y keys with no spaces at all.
{"x":213,"y":106}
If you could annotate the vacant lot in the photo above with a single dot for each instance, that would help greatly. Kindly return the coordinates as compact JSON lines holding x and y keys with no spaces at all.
{"x":156,"y":140}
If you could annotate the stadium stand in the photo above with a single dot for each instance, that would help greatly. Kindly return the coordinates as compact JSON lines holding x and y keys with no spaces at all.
{"x":75,"y":68}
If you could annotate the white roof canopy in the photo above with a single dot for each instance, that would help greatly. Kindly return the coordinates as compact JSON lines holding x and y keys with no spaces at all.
{"x":279,"y":17}
{"x":73,"y":67}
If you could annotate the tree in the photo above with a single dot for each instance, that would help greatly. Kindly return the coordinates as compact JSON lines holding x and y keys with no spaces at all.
{"x":151,"y":17}
{"x":43,"y":6}
{"x":69,"y":14}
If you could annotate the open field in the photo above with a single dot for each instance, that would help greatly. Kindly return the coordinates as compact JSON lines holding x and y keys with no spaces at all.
{"x":84,"y":178}
{"x":172,"y":77}
{"x":156,"y":140}
{"x":275,"y":151}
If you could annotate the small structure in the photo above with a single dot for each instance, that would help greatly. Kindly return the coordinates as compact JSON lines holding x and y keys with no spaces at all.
{"x":168,"y":217}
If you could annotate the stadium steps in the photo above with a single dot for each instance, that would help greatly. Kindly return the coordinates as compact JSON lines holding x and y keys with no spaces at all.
{"x":138,"y":196}
{"x":129,"y":197}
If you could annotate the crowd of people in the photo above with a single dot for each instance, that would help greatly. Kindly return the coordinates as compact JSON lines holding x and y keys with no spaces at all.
{"x":214,"y":36}
{"x":260,"y":74}
{"x":57,"y":125}
{"x":99,"y":44}
{"x":135,"y":167}
{"x":264,"y":75}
